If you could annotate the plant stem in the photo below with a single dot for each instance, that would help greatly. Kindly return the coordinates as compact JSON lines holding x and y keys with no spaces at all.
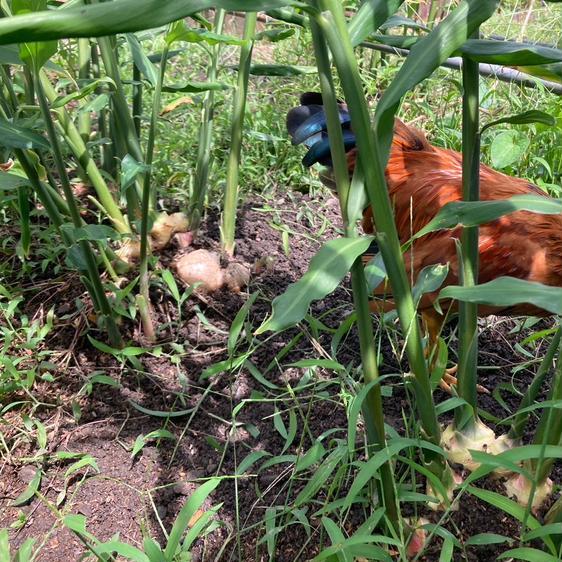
{"x":372,"y":408}
{"x":7,"y":83}
{"x":122,"y":112}
{"x":205,"y":135}
{"x":84,"y":54}
{"x":107,"y":151}
{"x":137,"y":99}
{"x":466,"y":416}
{"x":122,"y":115}
{"x":76,"y":144}
{"x":239,"y":107}
{"x":146,"y":198}
{"x":94,"y":281}
{"x":335,"y":31}
{"x":50,"y":198}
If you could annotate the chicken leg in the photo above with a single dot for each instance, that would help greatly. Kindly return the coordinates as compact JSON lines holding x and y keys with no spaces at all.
{"x":433,"y":322}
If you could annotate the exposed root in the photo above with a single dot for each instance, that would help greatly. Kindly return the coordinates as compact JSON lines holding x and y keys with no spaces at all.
{"x":520,"y":488}
{"x":202,"y":266}
{"x":418,"y":538}
{"x":165,"y":226}
{"x":457,"y":444}
{"x":448,"y":381}
{"x":450,"y":481}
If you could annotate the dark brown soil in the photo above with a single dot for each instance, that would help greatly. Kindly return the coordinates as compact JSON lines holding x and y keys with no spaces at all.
{"x":137,"y":497}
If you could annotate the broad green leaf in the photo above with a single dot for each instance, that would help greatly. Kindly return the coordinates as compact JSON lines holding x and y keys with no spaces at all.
{"x":187,"y":512}
{"x":96,"y":104}
{"x":336,"y":537}
{"x":75,"y":258}
{"x":370,"y":16}
{"x":130,"y":168}
{"x":447,"y":550}
{"x":9,"y":54}
{"x":401,"y":21}
{"x":90,"y":232}
{"x":100,"y":378}
{"x":429,"y":279}
{"x":321,"y":476}
{"x":238,"y":323}
{"x":180,"y":32}
{"x":275,"y":35}
{"x":357,"y":198}
{"x":312,"y":456}
{"x":371,"y":551}
{"x":4,"y":545}
{"x":257,"y":374}
{"x":508,"y":147}
{"x":14,"y":136}
{"x":321,"y":363}
{"x":142,"y":440}
{"x":369,"y":469}
{"x":29,"y":492}
{"x":519,"y":454}
{"x":528,"y":554}
{"x":508,"y":291}
{"x":398,"y":41}
{"x":326,"y":271}
{"x":113,"y":547}
{"x":82,"y":92}
{"x":199,"y":526}
{"x":483,"y":539}
{"x":288,"y":15}
{"x":291,"y":430}
{"x":281,"y":70}
{"x":25,"y":551}
{"x":474,"y":213}
{"x":375,"y":273}
{"x":153,"y":551}
{"x":509,"y":53}
{"x":195,"y":87}
{"x":87,"y":460}
{"x":111,"y":18}
{"x":227,"y":365}
{"x":140,"y":59}
{"x":77,"y":523}
{"x":169,"y":279}
{"x":427,"y":55}
{"x":38,"y":53}
{"x":550,"y":529}
{"x":250,"y":459}
{"x":552,"y":72}
{"x":525,"y":118}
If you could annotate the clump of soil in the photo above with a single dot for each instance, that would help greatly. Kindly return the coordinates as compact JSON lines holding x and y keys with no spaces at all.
{"x":136,"y":496}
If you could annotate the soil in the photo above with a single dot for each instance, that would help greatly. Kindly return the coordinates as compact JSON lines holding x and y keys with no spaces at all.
{"x":138,"y":496}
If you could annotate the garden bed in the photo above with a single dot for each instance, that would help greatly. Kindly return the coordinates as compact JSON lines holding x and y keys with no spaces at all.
{"x":136,"y":497}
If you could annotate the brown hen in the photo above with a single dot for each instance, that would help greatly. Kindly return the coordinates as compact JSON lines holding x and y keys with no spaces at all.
{"x":421,"y":179}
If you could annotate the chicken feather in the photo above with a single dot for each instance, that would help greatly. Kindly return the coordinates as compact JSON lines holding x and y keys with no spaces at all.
{"x":421,"y":179}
